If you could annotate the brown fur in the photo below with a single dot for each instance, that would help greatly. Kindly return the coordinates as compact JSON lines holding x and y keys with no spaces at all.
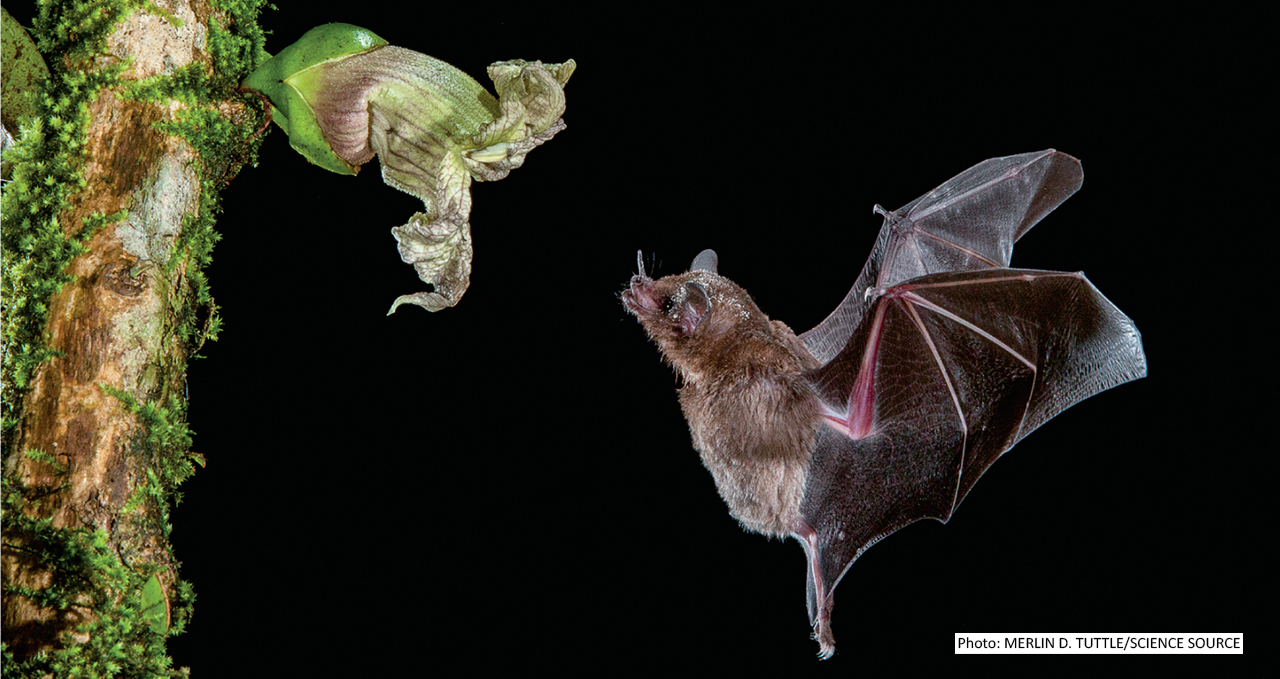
{"x":751,"y":413}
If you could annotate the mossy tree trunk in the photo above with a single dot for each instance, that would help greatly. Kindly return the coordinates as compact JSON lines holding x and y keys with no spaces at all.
{"x":108,"y":224}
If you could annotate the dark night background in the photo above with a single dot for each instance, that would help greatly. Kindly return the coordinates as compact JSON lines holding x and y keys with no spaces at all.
{"x":511,"y":480}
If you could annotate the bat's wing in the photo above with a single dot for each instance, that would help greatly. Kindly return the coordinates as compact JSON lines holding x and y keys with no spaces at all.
{"x":945,"y":374}
{"x":971,"y":222}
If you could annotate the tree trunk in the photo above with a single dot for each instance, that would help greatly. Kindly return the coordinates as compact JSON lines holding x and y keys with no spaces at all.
{"x":95,"y":436}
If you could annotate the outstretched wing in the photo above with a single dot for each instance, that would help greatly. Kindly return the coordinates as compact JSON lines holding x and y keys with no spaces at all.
{"x":971,"y":222}
{"x":947,"y":373}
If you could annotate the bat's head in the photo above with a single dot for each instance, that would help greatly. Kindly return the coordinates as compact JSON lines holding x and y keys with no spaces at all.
{"x":693,"y":315}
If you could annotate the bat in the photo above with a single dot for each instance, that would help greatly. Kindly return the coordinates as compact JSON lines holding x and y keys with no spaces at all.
{"x":938,"y":361}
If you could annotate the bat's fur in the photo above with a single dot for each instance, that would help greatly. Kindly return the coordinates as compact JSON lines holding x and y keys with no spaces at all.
{"x":752,"y":415}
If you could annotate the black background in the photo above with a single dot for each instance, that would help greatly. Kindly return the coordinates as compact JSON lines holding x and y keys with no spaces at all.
{"x":511,"y":480}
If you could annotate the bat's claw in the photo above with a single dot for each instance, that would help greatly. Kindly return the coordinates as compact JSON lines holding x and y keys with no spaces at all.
{"x":826,"y":640}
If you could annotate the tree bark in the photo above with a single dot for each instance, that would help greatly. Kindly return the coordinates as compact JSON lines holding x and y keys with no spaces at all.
{"x":109,"y":407}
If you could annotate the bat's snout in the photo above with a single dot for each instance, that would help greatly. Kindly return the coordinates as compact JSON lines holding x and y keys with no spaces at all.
{"x":640,"y":295}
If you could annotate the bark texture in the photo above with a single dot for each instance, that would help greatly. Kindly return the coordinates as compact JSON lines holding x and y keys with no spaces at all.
{"x":118,"y":326}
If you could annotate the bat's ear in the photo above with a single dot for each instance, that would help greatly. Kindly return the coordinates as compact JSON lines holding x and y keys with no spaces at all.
{"x":707,"y":260}
{"x":696,"y":302}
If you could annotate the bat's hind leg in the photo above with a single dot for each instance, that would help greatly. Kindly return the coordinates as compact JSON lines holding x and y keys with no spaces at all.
{"x":820,"y":599}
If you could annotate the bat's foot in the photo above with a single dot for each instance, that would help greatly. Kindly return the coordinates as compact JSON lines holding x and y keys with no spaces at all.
{"x":826,"y":640}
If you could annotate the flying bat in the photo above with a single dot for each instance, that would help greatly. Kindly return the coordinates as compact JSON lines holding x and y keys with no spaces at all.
{"x":938,"y":361}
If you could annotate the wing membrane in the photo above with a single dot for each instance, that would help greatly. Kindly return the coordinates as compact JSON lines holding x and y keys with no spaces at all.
{"x":968,"y":223}
{"x":955,"y":368}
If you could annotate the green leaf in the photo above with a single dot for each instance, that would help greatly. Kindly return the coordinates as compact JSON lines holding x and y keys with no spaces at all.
{"x":155,"y":605}
{"x":22,"y":73}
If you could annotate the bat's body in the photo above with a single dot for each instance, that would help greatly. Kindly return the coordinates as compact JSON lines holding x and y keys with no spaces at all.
{"x":750,"y":407}
{"x":938,"y":361}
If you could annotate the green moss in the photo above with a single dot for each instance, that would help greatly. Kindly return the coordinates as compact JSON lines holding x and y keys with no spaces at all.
{"x":163,"y":443}
{"x":188,"y":84}
{"x":238,"y":47}
{"x":169,"y":16}
{"x":41,"y":456}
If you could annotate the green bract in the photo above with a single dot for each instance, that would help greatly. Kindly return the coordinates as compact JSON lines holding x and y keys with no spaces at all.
{"x":343,"y":95}
{"x":289,"y":81}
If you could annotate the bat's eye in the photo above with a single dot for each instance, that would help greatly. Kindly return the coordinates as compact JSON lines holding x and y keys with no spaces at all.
{"x":667,"y":305}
